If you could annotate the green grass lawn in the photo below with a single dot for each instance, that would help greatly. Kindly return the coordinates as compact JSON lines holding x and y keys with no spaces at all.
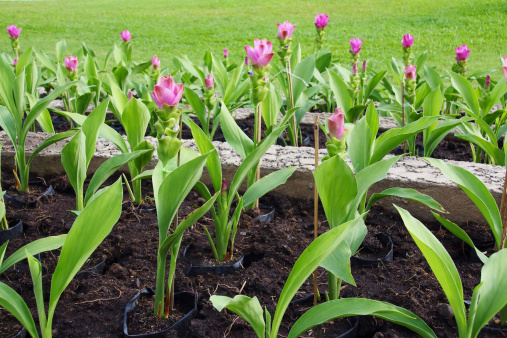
{"x":168,"y":27}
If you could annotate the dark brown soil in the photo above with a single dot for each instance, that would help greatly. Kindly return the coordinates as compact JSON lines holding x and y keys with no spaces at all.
{"x":94,"y":306}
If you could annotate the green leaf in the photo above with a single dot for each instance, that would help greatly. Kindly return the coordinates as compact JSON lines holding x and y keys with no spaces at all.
{"x":89,"y":67}
{"x":6,"y":80}
{"x":467,"y":92}
{"x":433,"y":78}
{"x":270,"y":106}
{"x":303,"y":74}
{"x":74,"y":162}
{"x":340,"y":91}
{"x":15,"y":305}
{"x":409,"y":194}
{"x":135,"y":120}
{"x":490,"y":293}
{"x":8,"y":125}
{"x":247,"y":308}
{"x":348,"y":307}
{"x":373,"y":83}
{"x":83,"y":102}
{"x":495,"y":95}
{"x":119,"y":98}
{"x":361,"y":139}
{"x":233,"y":134}
{"x":476,"y":190}
{"x":90,"y":228}
{"x":3,"y":248}
{"x":33,"y":248}
{"x":309,"y":260}
{"x":61,"y":46}
{"x":266,"y":184}
{"x":198,"y":106}
{"x":51,"y":140}
{"x":497,"y":155}
{"x":458,"y":232}
{"x":442,"y":265}
{"x":36,"y":274}
{"x":438,"y":134}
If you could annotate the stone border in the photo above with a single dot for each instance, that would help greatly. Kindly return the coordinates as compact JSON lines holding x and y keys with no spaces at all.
{"x":410,"y":172}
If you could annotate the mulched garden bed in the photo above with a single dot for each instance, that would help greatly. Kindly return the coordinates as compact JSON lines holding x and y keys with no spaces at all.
{"x":93,"y":306}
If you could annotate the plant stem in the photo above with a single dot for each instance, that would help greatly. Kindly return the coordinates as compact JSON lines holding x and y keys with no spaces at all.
{"x":403,"y":113}
{"x":257,"y":140}
{"x":503,"y":212}
{"x":291,"y":95}
{"x":315,"y":205}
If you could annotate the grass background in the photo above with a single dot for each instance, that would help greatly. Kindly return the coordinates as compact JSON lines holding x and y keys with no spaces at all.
{"x":168,"y":27}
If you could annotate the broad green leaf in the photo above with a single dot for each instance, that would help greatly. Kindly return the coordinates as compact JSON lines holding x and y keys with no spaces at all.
{"x":36,"y":274}
{"x":340,"y":91}
{"x":247,"y":308}
{"x":348,"y":307}
{"x":119,"y":98}
{"x":456,"y":230}
{"x":431,"y":107}
{"x":8,"y":125}
{"x":490,"y":293}
{"x":74,"y":162}
{"x":303,"y":74}
{"x":467,"y":92}
{"x":33,"y":248}
{"x":61,"y":46}
{"x":46,"y":61}
{"x":19,"y":90}
{"x":15,"y":305}
{"x":143,"y":159}
{"x":438,"y":134}
{"x":3,"y":248}
{"x":495,"y":95}
{"x":409,"y":194}
{"x":309,"y":260}
{"x":233,"y":134}
{"x":441,"y":264}
{"x":497,"y":155}
{"x":198,"y":106}
{"x":433,"y":78}
{"x":135,"y":120}
{"x":90,"y":228}
{"x":270,"y":106}
{"x":83,"y":102}
{"x":89,"y":67}
{"x":233,"y":84}
{"x":361,"y":140}
{"x":6,"y":80}
{"x":266,"y":184}
{"x":108,"y":168}
{"x":373,"y":83}
{"x":91,"y":127}
{"x":476,"y":190}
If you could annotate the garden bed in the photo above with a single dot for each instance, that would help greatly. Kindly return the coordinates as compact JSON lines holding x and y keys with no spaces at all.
{"x":94,"y":306}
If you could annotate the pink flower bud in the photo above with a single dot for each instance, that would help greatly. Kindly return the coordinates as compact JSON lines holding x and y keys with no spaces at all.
{"x":261,"y":54}
{"x":167,"y":92}
{"x":71,"y":63}
{"x":246,"y":61}
{"x":364,"y":65}
{"x":410,"y":72}
{"x":130,"y":95}
{"x":487,"y":82}
{"x":505,"y":67}
{"x":126,"y":36}
{"x":355,"y":45}
{"x":15,"y":62}
{"x":226,"y":53}
{"x":285,"y":30}
{"x":407,"y":41}
{"x":13,"y":31}
{"x":224,"y":185}
{"x":321,"y":20}
{"x":462,"y":53}
{"x":336,"y":124}
{"x":155,"y":62}
{"x":208,"y":81}
{"x":354,"y":68}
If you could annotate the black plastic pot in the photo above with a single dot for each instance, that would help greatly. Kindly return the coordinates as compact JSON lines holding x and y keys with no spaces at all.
{"x":386,"y":240}
{"x":11,"y":233}
{"x":195,"y":270}
{"x":488,"y":329}
{"x":94,"y":270}
{"x":267,"y":217}
{"x":305,"y":143}
{"x":187,"y":297}
{"x":351,"y":333}
{"x":16,"y":201}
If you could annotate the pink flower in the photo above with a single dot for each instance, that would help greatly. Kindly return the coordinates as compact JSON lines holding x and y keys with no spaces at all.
{"x":125,"y":35}
{"x":208,"y":81}
{"x":285,"y":30}
{"x":130,"y":95}
{"x":410,"y":72}
{"x":407,"y":41}
{"x":364,"y":65}
{"x":71,"y":63}
{"x":15,"y":62}
{"x":224,"y":185}
{"x":487,"y":81}
{"x":261,"y":54}
{"x":462,"y":53}
{"x":356,"y":46}
{"x":246,"y":61}
{"x":166,"y":92}
{"x":13,"y":31}
{"x":321,"y":20}
{"x":226,"y":53}
{"x":354,"y":68}
{"x":155,"y":62}
{"x":336,"y":124}
{"x":505,"y":67}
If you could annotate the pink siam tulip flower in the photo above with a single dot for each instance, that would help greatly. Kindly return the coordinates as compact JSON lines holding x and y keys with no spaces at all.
{"x":226,"y":53}
{"x":167,"y":92}
{"x":354,"y":68}
{"x":505,"y":66}
{"x":355,"y":45}
{"x":261,"y":54}
{"x":247,"y":62}
{"x":15,"y":62}
{"x":410,"y":72}
{"x":155,"y":62}
{"x":224,"y":185}
{"x":321,"y":20}
{"x":71,"y":63}
{"x":407,"y":41}
{"x":208,"y":81}
{"x":130,"y":95}
{"x":13,"y":31}
{"x":462,"y":53}
{"x":285,"y":30}
{"x":487,"y":81}
{"x":364,"y":65}
{"x":126,"y":36}
{"x":336,"y":124}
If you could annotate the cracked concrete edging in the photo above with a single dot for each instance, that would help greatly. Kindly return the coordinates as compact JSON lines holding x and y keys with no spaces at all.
{"x":410,"y":172}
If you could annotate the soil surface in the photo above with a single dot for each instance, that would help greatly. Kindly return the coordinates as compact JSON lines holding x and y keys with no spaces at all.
{"x":93,"y":306}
